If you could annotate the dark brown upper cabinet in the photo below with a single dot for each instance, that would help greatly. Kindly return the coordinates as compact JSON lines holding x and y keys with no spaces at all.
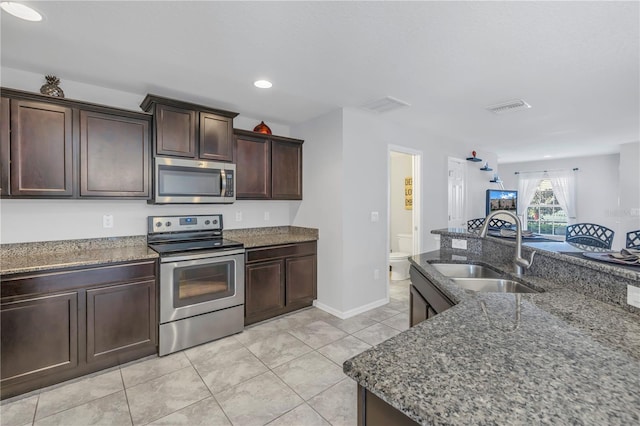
{"x":267,"y":166}
{"x":114,"y":155}
{"x":286,"y":170}
{"x":253,"y":167}
{"x":184,"y":129}
{"x":41,"y":149}
{"x":61,"y":148}
{"x":4,"y":145}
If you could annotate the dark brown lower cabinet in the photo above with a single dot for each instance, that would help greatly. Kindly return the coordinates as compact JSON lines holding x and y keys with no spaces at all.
{"x":373,"y":411}
{"x":264,"y":291}
{"x":39,"y":336}
{"x":120,"y":318}
{"x":425,"y":299}
{"x":418,"y":307}
{"x":64,"y":324}
{"x":279,"y":279}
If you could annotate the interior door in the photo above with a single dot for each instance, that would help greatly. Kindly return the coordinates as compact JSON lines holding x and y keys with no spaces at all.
{"x":456,"y":182}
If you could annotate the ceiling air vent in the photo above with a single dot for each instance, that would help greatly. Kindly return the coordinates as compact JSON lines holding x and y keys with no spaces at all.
{"x":385,"y":104}
{"x":509,"y":106}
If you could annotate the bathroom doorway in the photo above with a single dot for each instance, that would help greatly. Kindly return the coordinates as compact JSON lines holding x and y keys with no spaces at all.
{"x":404,"y":206}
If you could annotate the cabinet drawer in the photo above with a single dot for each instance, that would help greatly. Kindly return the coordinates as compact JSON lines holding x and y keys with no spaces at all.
{"x":279,"y":252}
{"x":50,"y":282}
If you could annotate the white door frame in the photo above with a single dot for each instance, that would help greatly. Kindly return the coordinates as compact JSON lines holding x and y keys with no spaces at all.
{"x":416,"y":216}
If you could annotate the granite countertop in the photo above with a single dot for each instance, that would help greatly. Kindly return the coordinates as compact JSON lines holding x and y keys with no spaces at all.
{"x":47,"y":255}
{"x":270,"y":236}
{"x":568,"y":359}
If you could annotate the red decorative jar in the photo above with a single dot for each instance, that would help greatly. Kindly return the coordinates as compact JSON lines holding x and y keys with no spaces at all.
{"x":262,"y":128}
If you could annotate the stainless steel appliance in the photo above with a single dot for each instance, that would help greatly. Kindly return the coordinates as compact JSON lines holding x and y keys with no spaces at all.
{"x":201,"y":280}
{"x":187,"y":181}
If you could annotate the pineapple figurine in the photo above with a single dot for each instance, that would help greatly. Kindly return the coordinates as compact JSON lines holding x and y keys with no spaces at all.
{"x":51,"y":88}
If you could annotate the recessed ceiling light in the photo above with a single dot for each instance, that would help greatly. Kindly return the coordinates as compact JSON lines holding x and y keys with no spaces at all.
{"x":546,"y":156}
{"x":21,"y":11}
{"x":263,"y":84}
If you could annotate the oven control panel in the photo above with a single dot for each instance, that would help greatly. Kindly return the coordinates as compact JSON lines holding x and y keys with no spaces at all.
{"x":212,"y":222}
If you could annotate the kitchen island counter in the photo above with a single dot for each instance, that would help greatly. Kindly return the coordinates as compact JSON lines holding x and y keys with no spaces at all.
{"x":51,"y":255}
{"x":561,"y":357}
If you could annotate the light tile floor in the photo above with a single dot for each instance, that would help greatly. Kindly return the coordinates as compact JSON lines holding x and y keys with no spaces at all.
{"x":286,"y":371}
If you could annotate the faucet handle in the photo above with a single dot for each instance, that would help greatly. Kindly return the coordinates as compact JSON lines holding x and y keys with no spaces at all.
{"x":524,"y":262}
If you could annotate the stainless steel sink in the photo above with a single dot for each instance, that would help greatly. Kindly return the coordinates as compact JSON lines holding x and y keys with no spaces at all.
{"x":492,"y":285}
{"x":461,"y":270}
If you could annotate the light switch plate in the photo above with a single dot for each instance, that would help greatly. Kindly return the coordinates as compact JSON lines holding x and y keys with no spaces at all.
{"x":633,"y":296}
{"x":375,"y":216}
{"x":459,"y":244}
{"x":238,"y":216}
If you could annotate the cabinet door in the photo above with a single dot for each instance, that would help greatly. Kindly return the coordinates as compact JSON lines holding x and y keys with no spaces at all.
{"x":418,"y":307}
{"x":301,"y":280}
{"x":120,"y":318}
{"x":4,"y":146}
{"x":286,"y":170}
{"x":175,"y":131}
{"x":253,"y":168}
{"x":114,"y":156}
{"x":216,"y":137}
{"x":41,"y":149}
{"x":264,"y":290}
{"x":39,"y":337}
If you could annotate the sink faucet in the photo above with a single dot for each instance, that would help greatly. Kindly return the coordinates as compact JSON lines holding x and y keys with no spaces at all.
{"x":519,"y":262}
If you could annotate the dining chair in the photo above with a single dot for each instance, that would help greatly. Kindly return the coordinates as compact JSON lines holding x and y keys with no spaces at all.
{"x":493,"y":223}
{"x":590,"y":234}
{"x":633,"y":239}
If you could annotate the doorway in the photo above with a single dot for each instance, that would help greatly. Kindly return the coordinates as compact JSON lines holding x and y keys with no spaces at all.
{"x":456,"y":189}
{"x":404,"y":203}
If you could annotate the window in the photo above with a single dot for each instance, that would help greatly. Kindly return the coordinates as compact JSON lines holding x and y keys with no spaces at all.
{"x":544,"y":214}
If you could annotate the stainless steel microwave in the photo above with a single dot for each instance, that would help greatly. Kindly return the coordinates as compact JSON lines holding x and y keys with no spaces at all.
{"x":187,"y":181}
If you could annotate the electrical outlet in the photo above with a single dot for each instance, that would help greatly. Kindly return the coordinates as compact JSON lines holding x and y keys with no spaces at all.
{"x":459,"y":244}
{"x":633,"y":296}
{"x":376,"y":274}
{"x":267,"y":216}
{"x":238,"y":216}
{"x":107,"y":221}
{"x":375,"y":216}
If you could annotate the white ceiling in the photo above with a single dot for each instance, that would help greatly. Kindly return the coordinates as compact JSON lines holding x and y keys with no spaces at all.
{"x":576,"y":63}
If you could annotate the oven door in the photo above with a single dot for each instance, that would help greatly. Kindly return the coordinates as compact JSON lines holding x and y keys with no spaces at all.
{"x":190,"y":287}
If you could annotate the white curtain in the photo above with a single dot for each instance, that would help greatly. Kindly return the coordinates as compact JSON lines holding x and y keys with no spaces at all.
{"x":564,"y":188}
{"x":527,"y":185}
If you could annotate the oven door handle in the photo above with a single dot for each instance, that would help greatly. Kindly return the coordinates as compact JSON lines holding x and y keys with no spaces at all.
{"x":201,"y":255}
{"x":223,"y":179}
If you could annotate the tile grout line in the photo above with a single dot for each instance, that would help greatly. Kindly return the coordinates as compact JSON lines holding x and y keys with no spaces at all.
{"x":126,"y":396}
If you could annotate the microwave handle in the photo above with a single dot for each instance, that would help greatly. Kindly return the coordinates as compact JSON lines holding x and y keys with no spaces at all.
{"x":223,"y":178}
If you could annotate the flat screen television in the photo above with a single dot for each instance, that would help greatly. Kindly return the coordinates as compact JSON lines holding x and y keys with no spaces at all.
{"x":501,"y":199}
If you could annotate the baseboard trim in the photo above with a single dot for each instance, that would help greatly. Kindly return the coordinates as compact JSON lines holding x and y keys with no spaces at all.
{"x":351,"y":312}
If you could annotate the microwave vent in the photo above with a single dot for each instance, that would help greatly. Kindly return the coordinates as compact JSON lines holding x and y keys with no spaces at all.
{"x":509,"y":106}
{"x":385,"y":104}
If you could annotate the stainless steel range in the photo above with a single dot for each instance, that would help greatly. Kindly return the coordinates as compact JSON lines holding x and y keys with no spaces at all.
{"x":201,"y":280}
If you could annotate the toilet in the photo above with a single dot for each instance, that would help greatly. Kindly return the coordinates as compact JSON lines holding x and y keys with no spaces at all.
{"x":398,"y":260}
